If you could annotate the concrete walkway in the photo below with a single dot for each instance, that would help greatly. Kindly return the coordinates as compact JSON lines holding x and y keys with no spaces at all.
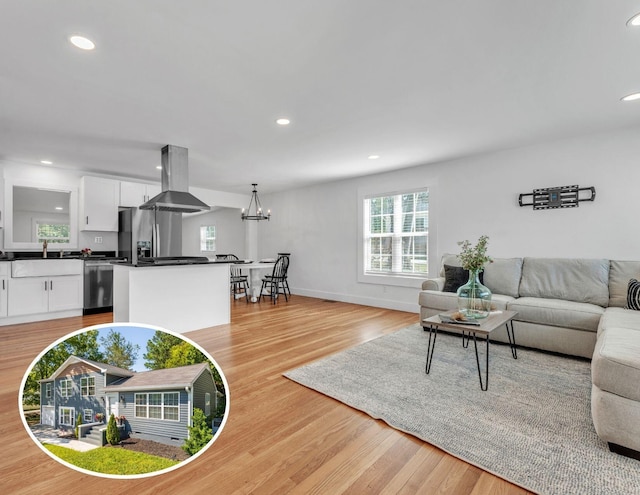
{"x":50,"y":435}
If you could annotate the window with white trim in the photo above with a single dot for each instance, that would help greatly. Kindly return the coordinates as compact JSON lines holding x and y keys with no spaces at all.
{"x":207,"y":238}
{"x":158,"y":405}
{"x":67,"y":416}
{"x":51,"y":231}
{"x":207,"y":404}
{"x":87,"y":415}
{"x":65,"y":387}
{"x":47,"y":390}
{"x":88,"y":386}
{"x":396,"y":234}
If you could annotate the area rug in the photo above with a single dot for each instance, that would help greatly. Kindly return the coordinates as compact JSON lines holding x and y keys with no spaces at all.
{"x":532,"y":426}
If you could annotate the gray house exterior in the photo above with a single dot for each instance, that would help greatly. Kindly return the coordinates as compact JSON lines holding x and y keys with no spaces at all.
{"x":158,"y":403}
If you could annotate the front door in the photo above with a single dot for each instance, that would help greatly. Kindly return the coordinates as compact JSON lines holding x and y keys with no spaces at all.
{"x":113,"y":407}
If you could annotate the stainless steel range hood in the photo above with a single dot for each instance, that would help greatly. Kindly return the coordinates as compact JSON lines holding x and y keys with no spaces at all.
{"x":175,"y":195}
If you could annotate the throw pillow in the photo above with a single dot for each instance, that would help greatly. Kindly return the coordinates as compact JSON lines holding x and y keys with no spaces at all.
{"x":454,"y":277}
{"x":633,"y":295}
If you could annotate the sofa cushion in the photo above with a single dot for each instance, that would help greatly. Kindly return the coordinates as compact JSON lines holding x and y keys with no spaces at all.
{"x":615,"y":366}
{"x":620,"y":272}
{"x":456,"y":276}
{"x":619,"y":318}
{"x":633,"y":295}
{"x":557,"y":313}
{"x":503,"y":276}
{"x":578,"y":280}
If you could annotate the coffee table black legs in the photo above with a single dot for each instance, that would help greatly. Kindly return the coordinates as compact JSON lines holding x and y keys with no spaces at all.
{"x":433,"y":331}
{"x":466,"y":336}
{"x":486,"y":369}
{"x":512,"y":339}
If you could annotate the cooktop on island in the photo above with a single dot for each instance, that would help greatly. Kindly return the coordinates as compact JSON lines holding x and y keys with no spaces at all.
{"x":172,"y":260}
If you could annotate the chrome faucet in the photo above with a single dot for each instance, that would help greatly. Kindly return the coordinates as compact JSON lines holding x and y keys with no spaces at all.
{"x":44,"y":249}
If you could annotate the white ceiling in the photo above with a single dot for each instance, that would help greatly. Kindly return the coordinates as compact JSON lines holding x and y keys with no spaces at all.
{"x":415,"y":82}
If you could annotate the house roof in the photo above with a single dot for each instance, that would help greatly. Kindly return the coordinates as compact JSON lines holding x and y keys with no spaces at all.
{"x":103,"y":367}
{"x":180,"y":377}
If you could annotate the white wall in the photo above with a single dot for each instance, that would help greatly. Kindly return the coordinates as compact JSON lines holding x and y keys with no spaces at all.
{"x":230,"y":232}
{"x":469,"y":197}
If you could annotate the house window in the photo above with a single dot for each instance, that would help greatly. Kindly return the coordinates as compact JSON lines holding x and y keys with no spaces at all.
{"x":88,"y":386}
{"x":207,"y":404}
{"x":47,"y":390}
{"x":67,"y":416}
{"x":155,"y":406}
{"x":65,"y":388}
{"x":396,"y":230}
{"x":141,"y":406}
{"x":208,"y":238}
{"x":52,"y":232}
{"x":87,"y":415}
{"x":171,"y":406}
{"x":158,"y":405}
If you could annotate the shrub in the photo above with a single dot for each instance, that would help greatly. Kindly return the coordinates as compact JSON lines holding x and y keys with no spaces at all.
{"x":78,"y":423}
{"x":199,"y":434}
{"x":113,"y":436}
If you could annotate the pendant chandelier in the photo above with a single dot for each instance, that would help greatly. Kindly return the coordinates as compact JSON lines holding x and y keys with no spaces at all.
{"x":258,"y":213}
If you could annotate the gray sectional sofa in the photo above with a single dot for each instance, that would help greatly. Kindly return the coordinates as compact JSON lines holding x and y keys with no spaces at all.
{"x":574,"y":307}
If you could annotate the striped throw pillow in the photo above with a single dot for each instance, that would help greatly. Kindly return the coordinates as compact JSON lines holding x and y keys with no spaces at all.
{"x":633,"y":295}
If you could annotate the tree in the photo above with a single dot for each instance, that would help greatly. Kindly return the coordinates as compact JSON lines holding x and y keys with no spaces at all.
{"x":113,"y":435}
{"x":84,"y":345}
{"x":118,"y":351}
{"x":200,"y":434}
{"x":159,"y":350}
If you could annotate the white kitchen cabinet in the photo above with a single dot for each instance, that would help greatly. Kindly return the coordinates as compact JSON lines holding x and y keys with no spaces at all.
{"x":34,"y":295}
{"x":4,"y":278}
{"x":136,"y":193}
{"x":2,"y":208}
{"x":99,"y":200}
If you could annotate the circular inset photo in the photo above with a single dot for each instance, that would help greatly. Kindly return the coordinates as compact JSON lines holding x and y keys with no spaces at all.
{"x":124,"y":400}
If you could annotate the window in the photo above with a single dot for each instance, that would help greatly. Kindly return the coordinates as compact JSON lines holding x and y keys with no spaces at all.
{"x":172,"y":406}
{"x":65,"y":388}
{"x":67,"y":416}
{"x":47,"y":390}
{"x":158,"y":405}
{"x":155,"y":406}
{"x":141,"y":406}
{"x":207,"y":404}
{"x":208,"y":238}
{"x":51,"y":231}
{"x":396,"y":230}
{"x":87,"y":415}
{"x":88,"y":386}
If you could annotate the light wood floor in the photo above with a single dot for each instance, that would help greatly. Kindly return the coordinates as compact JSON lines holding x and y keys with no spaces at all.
{"x":279,"y":438}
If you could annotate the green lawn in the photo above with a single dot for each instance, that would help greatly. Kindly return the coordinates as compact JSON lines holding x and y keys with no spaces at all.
{"x":111,"y":460}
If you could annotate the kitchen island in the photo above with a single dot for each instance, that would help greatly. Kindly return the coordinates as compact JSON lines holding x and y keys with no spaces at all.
{"x":180,"y":298}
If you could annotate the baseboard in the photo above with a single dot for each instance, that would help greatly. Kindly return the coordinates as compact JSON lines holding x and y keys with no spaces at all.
{"x":625,"y":451}
{"x":364,"y":301}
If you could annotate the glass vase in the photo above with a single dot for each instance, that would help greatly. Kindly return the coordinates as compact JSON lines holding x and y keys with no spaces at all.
{"x":474,"y":299}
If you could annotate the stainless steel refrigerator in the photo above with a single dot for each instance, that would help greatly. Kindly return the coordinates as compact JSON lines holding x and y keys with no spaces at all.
{"x":149,"y":233}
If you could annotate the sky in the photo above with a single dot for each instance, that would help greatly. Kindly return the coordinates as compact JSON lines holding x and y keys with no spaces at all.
{"x":134,"y":334}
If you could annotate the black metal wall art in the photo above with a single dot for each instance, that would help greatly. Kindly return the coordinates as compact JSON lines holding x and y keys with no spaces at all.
{"x":557,"y":197}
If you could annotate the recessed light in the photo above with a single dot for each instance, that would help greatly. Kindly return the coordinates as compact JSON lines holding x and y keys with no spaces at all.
{"x":58,"y":207}
{"x":373,"y":157}
{"x":634,"y":21}
{"x":82,"y":42}
{"x":159,"y":167}
{"x":283,"y":121}
{"x":46,"y":162}
{"x":631,"y":97}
